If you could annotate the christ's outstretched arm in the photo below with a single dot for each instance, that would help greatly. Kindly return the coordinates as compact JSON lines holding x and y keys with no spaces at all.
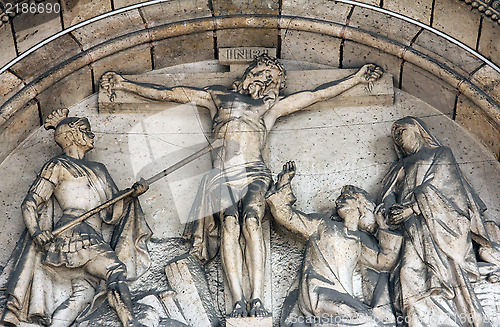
{"x":111,"y":81}
{"x":366,"y":75}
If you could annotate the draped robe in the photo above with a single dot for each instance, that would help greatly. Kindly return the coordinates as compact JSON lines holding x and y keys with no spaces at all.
{"x":432,"y":278}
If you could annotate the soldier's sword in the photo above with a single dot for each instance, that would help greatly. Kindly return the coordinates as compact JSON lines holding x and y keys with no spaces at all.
{"x":214,"y":145}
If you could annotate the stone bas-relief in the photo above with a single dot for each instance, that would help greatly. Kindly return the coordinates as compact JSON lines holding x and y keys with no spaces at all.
{"x":426,"y":195}
{"x":80,"y":253}
{"x":427,"y":220}
{"x":232,"y":196}
{"x":154,"y":306}
{"x":335,"y":246}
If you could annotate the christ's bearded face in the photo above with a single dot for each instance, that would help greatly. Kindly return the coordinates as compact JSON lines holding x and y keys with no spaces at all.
{"x":260,"y":80}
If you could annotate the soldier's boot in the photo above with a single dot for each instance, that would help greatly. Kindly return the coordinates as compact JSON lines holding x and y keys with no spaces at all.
{"x":119,"y":297}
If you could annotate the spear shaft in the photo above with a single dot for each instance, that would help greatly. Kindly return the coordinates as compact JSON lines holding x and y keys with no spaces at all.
{"x":216,"y":144}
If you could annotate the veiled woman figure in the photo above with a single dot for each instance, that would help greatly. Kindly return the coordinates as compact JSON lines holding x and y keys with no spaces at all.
{"x":426,"y":195}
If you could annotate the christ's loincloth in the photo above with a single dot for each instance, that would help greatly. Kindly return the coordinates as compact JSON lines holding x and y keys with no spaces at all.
{"x":219,"y":190}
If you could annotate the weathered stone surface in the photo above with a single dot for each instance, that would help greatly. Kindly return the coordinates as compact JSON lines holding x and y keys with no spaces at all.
{"x":355,"y":55}
{"x":46,"y":58}
{"x":446,"y":52}
{"x":18,"y":128}
{"x":383,"y":24}
{"x":471,"y":116}
{"x":31,"y":29}
{"x":222,"y":7}
{"x":420,"y":10}
{"x":489,"y":80}
{"x":252,"y":38}
{"x":67,"y":92}
{"x":109,"y":28}
{"x":6,"y":44}
{"x":76,"y":11}
{"x":310,"y":47}
{"x":428,"y":88}
{"x":186,"y":277}
{"x":261,"y":37}
{"x":371,"y":2}
{"x":250,"y":322}
{"x":183,"y":49}
{"x":328,"y":10}
{"x":173,"y":11}
{"x":489,"y":46}
{"x":9,"y":85}
{"x":132,"y":61}
{"x":172,"y":306}
{"x":457,"y":20}
{"x":125,"y":3}
{"x":155,"y":302}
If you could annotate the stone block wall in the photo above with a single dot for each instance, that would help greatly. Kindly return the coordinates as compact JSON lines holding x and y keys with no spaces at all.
{"x":434,"y":69}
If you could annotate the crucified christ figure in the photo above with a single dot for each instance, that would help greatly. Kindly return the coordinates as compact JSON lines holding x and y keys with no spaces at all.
{"x":242,"y":117}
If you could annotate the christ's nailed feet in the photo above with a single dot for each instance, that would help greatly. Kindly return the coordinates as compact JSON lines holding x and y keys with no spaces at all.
{"x":257,"y":309}
{"x":239,"y":310}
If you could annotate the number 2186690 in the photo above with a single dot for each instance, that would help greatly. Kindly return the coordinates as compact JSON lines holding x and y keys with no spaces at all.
{"x":33,"y":8}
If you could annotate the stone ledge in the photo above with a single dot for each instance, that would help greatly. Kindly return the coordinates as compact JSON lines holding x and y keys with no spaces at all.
{"x":382,"y":92}
{"x":131,"y":61}
{"x":355,"y":55}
